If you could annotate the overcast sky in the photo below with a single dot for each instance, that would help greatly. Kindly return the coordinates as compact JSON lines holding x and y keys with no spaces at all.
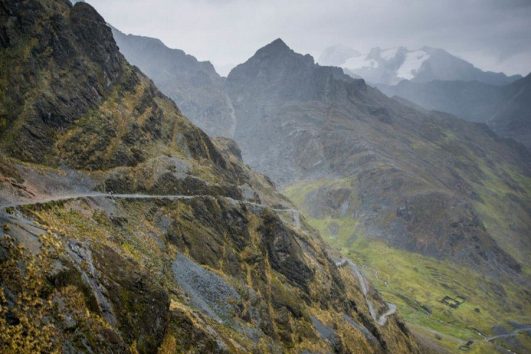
{"x":492,"y":34}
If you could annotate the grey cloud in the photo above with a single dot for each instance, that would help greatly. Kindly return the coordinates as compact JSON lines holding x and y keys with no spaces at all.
{"x":493,"y":34}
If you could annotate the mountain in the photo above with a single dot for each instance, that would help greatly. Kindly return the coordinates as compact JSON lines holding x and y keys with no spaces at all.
{"x":390,"y":66}
{"x":470,"y":100}
{"x":506,"y":109}
{"x":513,"y":116}
{"x":301,"y":121}
{"x":193,"y":85}
{"x":377,"y":177}
{"x":126,"y":229}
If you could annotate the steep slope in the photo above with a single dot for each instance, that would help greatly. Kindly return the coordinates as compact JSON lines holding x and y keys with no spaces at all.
{"x":370,"y":172}
{"x":126,"y":229}
{"x":506,"y":109}
{"x":194,"y":86}
{"x":390,"y":66}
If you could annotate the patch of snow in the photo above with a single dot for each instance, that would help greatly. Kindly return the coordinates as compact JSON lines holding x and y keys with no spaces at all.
{"x":388,"y":54}
{"x":411,"y":64}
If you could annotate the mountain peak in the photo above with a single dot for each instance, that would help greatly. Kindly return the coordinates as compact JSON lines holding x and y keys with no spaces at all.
{"x":278,"y":43}
{"x":276,"y":47}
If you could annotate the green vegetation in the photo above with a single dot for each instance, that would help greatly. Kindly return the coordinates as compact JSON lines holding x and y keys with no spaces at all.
{"x":417,"y":284}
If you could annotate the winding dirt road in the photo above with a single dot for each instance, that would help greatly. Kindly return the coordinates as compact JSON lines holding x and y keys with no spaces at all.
{"x":391,"y":308}
{"x":294,"y":213}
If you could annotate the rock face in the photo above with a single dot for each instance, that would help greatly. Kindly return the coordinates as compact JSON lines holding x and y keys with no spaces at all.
{"x":193,"y":85}
{"x":390,"y":66}
{"x":415,"y":179}
{"x":133,"y":271}
{"x":506,"y":109}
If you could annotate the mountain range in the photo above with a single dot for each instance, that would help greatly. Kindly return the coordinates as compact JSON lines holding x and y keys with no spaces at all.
{"x":194,"y":86}
{"x":375,"y":174}
{"x":392,"y":65}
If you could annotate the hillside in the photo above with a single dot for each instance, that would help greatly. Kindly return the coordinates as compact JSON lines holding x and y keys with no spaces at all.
{"x":513,"y":116}
{"x":127,"y":229}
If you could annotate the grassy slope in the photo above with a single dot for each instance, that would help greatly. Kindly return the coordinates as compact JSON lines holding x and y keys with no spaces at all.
{"x":415,"y":282}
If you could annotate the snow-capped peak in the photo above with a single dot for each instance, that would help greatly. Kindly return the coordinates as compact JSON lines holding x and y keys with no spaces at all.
{"x":389,"y":66}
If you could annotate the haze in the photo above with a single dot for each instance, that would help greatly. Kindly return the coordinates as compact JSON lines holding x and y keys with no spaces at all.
{"x":494,"y":35}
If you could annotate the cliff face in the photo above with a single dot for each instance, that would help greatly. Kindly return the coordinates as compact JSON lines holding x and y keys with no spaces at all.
{"x":191,"y":252}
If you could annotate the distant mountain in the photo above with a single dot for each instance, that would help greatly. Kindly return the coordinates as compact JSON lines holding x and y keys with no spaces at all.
{"x":193,"y":85}
{"x":432,"y":205}
{"x":337,"y":55}
{"x":470,"y":100}
{"x":390,"y":66}
{"x":513,"y":116}
{"x":506,"y":109}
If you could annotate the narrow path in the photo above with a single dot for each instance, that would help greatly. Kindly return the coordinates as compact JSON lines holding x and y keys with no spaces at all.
{"x":391,"y":308}
{"x":512,"y":334}
{"x":294,"y":213}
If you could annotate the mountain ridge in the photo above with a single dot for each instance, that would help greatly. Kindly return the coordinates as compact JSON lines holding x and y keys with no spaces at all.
{"x":193,"y":85}
{"x":473,"y":101}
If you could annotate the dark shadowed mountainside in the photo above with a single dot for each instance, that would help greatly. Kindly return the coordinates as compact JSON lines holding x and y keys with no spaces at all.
{"x":193,"y":85}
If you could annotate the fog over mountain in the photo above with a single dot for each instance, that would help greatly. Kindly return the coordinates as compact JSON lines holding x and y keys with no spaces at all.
{"x":392,"y":65}
{"x":494,"y":35}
